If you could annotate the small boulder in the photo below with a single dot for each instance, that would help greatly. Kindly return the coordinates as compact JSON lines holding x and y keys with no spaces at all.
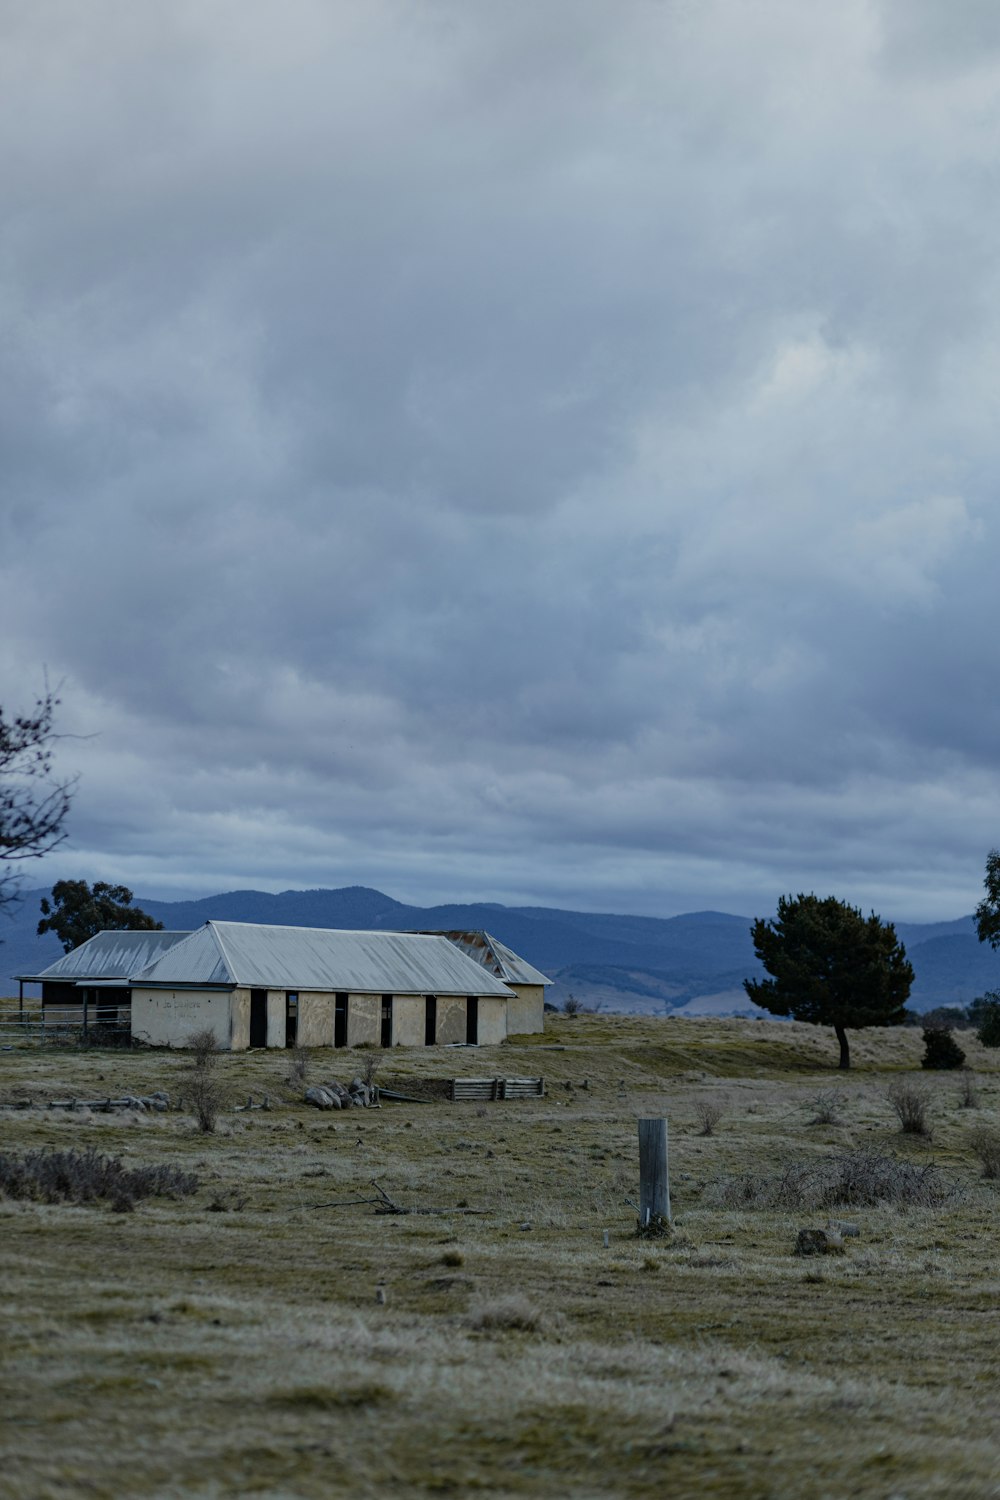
{"x":819,"y":1242}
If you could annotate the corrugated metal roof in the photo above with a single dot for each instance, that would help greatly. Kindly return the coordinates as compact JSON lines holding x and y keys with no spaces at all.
{"x":321,"y":958}
{"x":495,"y":956}
{"x":109,"y":955}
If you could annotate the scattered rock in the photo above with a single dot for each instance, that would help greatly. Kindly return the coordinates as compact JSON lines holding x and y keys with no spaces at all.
{"x":819,"y":1242}
{"x":322,"y":1098}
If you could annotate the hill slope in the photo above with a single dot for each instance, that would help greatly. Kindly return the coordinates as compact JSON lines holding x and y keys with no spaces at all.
{"x":639,"y":965}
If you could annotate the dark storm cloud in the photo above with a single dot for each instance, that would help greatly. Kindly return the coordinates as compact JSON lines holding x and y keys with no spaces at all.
{"x":530,"y":452}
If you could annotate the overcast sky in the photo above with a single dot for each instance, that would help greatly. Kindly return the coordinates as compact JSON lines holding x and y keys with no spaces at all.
{"x":543,"y":452}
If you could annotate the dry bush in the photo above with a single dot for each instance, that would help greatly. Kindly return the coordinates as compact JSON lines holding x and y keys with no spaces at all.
{"x":372,"y":1064}
{"x":206,"y":1095}
{"x":708,"y":1113}
{"x":828,"y":1106}
{"x":857,"y":1178}
{"x":968,"y":1090}
{"x":204,"y":1089}
{"x":867,"y":1178}
{"x":204,"y":1048}
{"x":986,"y":1145}
{"x":298,"y":1065}
{"x":88,"y":1177}
{"x":792,"y":1188}
{"x":510,"y":1312}
{"x":911,"y":1103}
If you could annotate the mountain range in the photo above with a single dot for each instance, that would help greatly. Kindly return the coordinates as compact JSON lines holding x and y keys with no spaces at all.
{"x":694,"y":964}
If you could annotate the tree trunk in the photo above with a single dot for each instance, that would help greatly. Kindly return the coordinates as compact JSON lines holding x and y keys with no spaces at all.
{"x":845,"y":1051}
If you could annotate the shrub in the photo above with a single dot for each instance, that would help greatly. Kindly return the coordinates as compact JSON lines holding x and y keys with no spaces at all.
{"x":87,"y":1177}
{"x":510,"y":1312}
{"x":828,"y":1106}
{"x":856,"y":1179}
{"x":866,"y":1178}
{"x":968,"y":1091}
{"x":986,"y":1145}
{"x":204,"y":1047}
{"x":941,"y":1049}
{"x":298,"y":1065}
{"x":206,"y":1096}
{"x":204,"y":1089}
{"x":708,"y":1113}
{"x":910,"y":1102}
{"x":792,"y":1188}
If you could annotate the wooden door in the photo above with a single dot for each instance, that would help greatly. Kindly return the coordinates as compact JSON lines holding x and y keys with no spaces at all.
{"x":340,"y":1021}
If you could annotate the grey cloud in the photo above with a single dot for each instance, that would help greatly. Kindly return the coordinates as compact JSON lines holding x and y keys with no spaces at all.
{"x":926,"y":37}
{"x":525,"y":453}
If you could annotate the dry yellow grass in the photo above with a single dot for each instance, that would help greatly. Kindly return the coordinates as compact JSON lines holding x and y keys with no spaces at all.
{"x":231,"y":1344}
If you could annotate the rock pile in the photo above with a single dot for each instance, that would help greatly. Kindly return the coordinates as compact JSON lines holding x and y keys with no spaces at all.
{"x":357,"y":1094}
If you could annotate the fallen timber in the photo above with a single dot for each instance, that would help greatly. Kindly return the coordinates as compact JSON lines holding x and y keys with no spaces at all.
{"x":386,"y":1205}
{"x":155,"y":1101}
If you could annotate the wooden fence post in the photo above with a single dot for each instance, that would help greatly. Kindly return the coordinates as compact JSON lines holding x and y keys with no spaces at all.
{"x":654,"y":1176}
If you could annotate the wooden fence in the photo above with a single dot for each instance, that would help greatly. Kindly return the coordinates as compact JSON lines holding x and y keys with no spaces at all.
{"x":497,"y":1088}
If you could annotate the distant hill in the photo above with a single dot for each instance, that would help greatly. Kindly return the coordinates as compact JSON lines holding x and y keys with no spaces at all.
{"x":694,"y":963}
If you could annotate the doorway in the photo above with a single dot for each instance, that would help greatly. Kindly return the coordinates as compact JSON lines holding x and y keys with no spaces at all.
{"x":258,"y":1018}
{"x":340,"y":1021}
{"x":472,"y":1021}
{"x":430,"y":1020}
{"x":291,"y":1017}
{"x":386,"y":1020}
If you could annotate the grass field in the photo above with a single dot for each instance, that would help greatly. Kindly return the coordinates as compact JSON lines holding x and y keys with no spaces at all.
{"x":232,"y":1342}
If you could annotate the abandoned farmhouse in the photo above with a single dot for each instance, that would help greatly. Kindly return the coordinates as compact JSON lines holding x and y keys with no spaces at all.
{"x":267,"y":986}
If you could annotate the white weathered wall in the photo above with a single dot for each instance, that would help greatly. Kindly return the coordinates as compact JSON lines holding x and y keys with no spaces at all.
{"x":316,"y":1018}
{"x":167,"y":1018}
{"x":408,"y":1018}
{"x":492,"y":1021}
{"x":364,"y":1019}
{"x":451,"y":1018}
{"x":526,"y":1009}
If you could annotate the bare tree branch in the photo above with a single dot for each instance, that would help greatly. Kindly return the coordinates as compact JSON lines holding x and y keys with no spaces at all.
{"x":33,"y":801}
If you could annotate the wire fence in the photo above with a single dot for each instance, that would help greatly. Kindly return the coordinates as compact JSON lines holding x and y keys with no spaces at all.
{"x":35,"y":1025}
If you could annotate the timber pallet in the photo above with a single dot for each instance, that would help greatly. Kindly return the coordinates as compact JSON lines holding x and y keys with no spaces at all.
{"x":497,"y":1088}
